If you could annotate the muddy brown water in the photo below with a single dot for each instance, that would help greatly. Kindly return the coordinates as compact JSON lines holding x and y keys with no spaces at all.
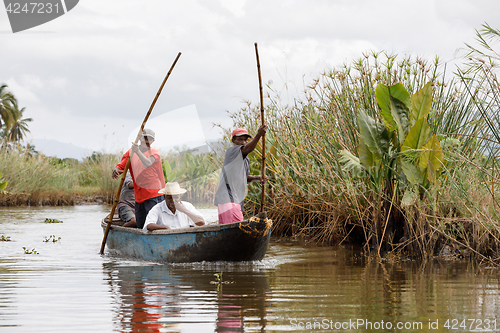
{"x":69,"y":287}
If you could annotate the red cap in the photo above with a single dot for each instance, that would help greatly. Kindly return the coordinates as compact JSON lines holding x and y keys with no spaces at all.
{"x":239,"y":132}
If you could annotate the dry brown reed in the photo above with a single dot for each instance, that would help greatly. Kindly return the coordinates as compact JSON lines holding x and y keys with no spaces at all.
{"x":312,"y":194}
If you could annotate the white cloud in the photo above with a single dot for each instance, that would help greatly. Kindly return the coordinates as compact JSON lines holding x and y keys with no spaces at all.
{"x":175,"y":128}
{"x":236,"y":7}
{"x":102,"y":63}
{"x":23,"y":92}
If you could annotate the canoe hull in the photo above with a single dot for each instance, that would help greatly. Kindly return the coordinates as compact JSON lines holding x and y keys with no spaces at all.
{"x":242,"y":241}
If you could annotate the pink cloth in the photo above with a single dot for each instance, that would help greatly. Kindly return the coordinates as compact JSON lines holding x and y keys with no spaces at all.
{"x":229,"y":212}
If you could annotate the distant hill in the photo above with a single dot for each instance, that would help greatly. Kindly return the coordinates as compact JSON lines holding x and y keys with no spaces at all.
{"x":60,"y":149}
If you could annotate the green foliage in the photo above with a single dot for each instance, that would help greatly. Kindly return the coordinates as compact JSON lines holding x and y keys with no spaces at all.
{"x":34,"y":176}
{"x":19,"y":125}
{"x":419,"y":146}
{"x":479,"y":75}
{"x":28,"y":251}
{"x":13,"y":127}
{"x":27,"y":174}
{"x":374,"y":135}
{"x":3,"y":183}
{"x":405,"y":118}
{"x":219,"y":282}
{"x":385,"y":139}
{"x":400,"y":145}
{"x":431,"y":159}
{"x":96,"y":171}
{"x":218,"y":277}
{"x":417,"y":137}
{"x":394,"y":102}
{"x":6,"y":100}
{"x":51,"y":238}
{"x":5,"y":238}
{"x":196,"y":173}
{"x":421,"y":102}
{"x":47,"y":220}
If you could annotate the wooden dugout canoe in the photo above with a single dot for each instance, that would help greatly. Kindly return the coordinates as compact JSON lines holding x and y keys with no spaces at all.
{"x":241,"y":241}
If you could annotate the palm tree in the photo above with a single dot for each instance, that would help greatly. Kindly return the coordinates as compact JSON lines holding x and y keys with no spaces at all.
{"x":6,"y":100}
{"x":19,"y":126}
{"x":30,"y":150}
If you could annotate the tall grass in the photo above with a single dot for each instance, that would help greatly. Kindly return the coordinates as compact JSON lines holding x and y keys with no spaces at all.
{"x":311,"y":192}
{"x":197,"y":173}
{"x":40,"y":180}
{"x":35,"y":180}
{"x":95,"y":175}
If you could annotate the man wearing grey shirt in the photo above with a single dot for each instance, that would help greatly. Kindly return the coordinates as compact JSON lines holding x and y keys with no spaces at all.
{"x":235,"y":175}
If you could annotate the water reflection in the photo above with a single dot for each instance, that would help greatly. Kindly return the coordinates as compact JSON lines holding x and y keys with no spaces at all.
{"x":69,"y":287}
{"x":150,"y":298}
{"x":326,"y":286}
{"x":296,"y":286}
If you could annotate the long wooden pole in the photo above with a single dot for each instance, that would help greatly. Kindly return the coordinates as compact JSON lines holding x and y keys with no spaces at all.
{"x":263,"y":193}
{"x":117,"y":198}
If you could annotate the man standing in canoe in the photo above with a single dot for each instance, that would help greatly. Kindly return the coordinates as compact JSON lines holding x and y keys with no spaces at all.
{"x":147,"y":174}
{"x":235,"y":175}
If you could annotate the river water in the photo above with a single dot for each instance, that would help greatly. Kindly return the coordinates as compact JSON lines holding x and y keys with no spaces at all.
{"x":66,"y":286}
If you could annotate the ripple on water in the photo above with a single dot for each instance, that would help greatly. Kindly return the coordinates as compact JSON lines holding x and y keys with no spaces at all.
{"x":69,"y":287}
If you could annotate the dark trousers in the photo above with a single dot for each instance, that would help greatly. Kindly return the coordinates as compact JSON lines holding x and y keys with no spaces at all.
{"x":142,"y":209}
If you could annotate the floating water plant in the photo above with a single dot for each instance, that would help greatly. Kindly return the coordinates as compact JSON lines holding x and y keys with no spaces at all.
{"x":51,"y":238}
{"x":5,"y":238}
{"x":28,"y":251}
{"x":218,"y":279}
{"x":47,"y":220}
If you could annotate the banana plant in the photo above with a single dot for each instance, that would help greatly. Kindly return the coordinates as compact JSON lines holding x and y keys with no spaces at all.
{"x":170,"y":171}
{"x":404,"y":137}
{"x":421,"y":152}
{"x":3,"y":183}
{"x":401,"y":144}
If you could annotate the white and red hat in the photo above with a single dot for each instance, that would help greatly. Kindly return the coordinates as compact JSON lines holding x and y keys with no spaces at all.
{"x":239,"y":132}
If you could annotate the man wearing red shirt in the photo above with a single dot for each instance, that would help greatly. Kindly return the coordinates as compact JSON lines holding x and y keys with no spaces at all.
{"x":147,"y":175}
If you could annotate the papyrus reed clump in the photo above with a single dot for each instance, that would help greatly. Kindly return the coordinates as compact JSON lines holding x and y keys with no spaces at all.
{"x":313,"y":193}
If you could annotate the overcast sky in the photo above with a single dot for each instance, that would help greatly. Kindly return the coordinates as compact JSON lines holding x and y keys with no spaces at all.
{"x":89,"y":77}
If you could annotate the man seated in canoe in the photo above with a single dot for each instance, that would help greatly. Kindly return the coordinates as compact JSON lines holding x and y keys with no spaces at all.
{"x":126,"y":204}
{"x":172,"y":213}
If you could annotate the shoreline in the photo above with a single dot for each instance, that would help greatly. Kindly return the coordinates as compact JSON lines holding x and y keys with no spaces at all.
{"x":53,"y":199}
{"x":63,"y":199}
{"x":446,"y":252}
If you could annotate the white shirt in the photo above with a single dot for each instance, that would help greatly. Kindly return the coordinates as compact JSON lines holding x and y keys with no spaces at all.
{"x":162,"y":215}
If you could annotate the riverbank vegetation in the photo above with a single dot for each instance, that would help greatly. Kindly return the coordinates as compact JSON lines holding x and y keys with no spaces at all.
{"x":399,"y":154}
{"x":40,"y":180}
{"x":391,"y":152}
{"x":30,"y":178}
{"x":35,"y":179}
